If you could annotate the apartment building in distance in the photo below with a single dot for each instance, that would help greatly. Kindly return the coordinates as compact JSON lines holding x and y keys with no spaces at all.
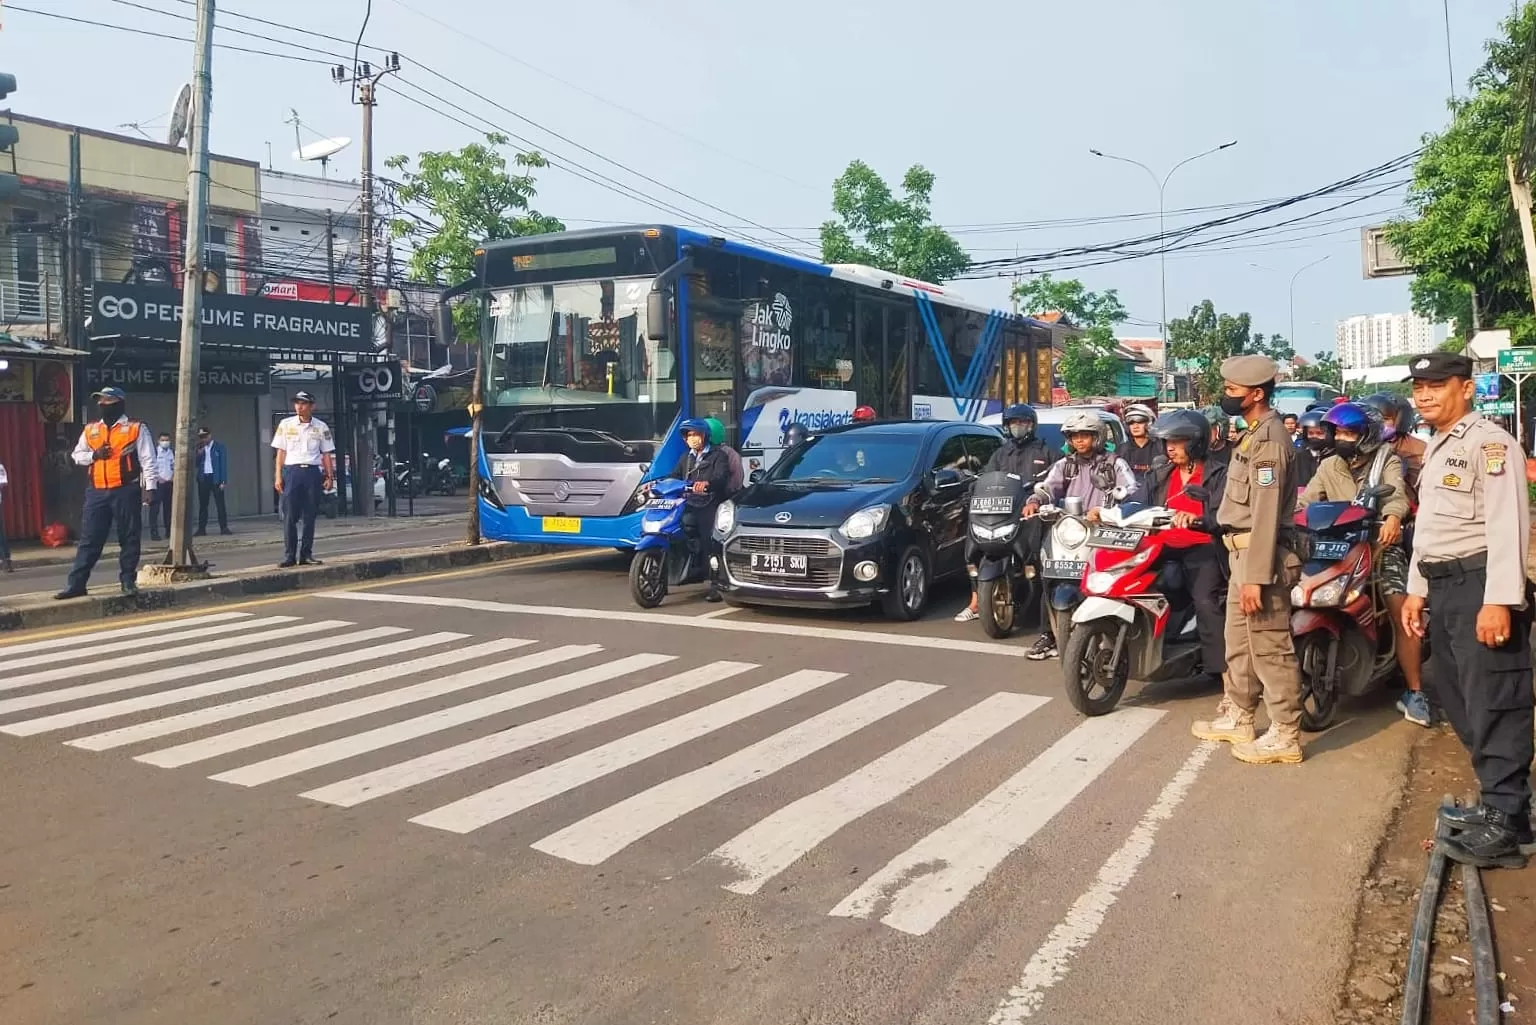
{"x":1368,"y":340}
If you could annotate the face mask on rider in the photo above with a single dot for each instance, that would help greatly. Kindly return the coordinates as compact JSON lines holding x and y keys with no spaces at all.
{"x":109,"y":411}
{"x":1318,"y":446}
{"x":1347,"y":449}
{"x":1232,"y":405}
{"x":695,"y":441}
{"x":1021,"y":430}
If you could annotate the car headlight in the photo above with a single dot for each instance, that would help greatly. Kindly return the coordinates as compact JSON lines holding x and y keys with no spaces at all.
{"x":1330,"y":594}
{"x":1071,"y":533}
{"x":1001,"y":533}
{"x":866,"y":522}
{"x":725,"y":517}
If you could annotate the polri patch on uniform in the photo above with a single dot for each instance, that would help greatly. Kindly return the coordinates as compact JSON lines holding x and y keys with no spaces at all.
{"x":1495,"y":454}
{"x":1264,"y":474}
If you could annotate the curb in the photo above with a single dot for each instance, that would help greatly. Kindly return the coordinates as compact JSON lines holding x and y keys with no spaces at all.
{"x":66,"y":554}
{"x":262,"y":583}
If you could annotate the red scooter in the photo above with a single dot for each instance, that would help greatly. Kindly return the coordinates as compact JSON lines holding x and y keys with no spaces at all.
{"x":1344,"y":639}
{"x":1137,"y":619}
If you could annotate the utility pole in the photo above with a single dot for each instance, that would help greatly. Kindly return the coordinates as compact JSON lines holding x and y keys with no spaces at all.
{"x":364,"y":78}
{"x":72,"y":317}
{"x":330,"y":254}
{"x":181,"y":560}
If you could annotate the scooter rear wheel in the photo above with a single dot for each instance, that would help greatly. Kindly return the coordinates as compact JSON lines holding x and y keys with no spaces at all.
{"x":1319,"y":690}
{"x":1094,"y":686}
{"x":648,"y":577}
{"x":994,"y":603}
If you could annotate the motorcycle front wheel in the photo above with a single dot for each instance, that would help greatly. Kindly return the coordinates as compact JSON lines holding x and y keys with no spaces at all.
{"x":648,"y":577}
{"x":994,"y":601}
{"x":1094,"y":685}
{"x":1319,"y":680}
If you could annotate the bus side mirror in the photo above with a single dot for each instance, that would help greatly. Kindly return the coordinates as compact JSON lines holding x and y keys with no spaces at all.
{"x":656,"y":315}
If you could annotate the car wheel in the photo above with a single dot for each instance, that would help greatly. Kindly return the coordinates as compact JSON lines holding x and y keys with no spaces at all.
{"x":908,"y":595}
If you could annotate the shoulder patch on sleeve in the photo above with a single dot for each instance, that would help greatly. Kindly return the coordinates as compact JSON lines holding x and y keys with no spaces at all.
{"x":1264,"y":473}
{"x":1495,"y":456}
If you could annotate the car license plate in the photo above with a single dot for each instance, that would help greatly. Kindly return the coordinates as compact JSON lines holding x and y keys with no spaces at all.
{"x":1063,"y":568}
{"x":774,"y":564}
{"x":1117,"y":538}
{"x":1330,"y":551}
{"x":991,"y":506}
{"x":562,"y":525}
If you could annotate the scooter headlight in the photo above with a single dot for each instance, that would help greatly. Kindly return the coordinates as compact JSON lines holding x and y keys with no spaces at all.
{"x":1100,"y":581}
{"x":725,"y":517}
{"x":866,"y":522}
{"x":1001,"y":533}
{"x":651,"y":526}
{"x":1071,"y":533}
{"x":1329,"y":595}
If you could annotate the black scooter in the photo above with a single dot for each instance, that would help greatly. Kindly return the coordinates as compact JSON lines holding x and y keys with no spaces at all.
{"x":1007,"y":576}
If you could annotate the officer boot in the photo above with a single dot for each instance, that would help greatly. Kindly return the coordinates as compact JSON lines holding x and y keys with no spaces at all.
{"x":1232,"y":725}
{"x":1493,"y":844}
{"x":1280,"y":745}
{"x":1462,"y":819}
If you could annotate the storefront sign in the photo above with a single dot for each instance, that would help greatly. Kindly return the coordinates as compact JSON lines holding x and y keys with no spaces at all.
{"x":424,"y":398}
{"x":309,"y":292}
{"x":53,"y":388}
{"x":238,"y":320}
{"x":380,"y":381}
{"x":15,"y":380}
{"x":219,"y":377}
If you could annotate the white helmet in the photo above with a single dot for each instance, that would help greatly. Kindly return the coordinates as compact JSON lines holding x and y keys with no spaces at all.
{"x":1139,"y":411}
{"x":1083,"y":422}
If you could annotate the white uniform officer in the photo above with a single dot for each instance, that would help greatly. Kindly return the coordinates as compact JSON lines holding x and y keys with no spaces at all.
{"x":306,"y":466}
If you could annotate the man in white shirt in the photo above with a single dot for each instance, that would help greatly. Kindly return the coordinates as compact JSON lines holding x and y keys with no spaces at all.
{"x":120,"y":459}
{"x":5,"y":548}
{"x":306,"y":466}
{"x":159,"y":500}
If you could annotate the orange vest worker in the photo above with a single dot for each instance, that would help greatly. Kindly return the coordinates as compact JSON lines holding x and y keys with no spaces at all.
{"x":122,"y":467}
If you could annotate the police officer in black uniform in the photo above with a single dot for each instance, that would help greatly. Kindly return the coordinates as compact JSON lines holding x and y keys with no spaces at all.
{"x":1469,"y":560}
{"x":1029,"y":457}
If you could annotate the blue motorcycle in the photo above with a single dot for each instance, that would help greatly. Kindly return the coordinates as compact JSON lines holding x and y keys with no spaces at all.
{"x":662,"y":558}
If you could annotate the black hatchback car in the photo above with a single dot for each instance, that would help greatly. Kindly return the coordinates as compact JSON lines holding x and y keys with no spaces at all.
{"x":869,"y":512}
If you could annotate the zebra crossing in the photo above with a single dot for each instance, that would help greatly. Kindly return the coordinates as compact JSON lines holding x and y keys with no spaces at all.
{"x":280,"y":696}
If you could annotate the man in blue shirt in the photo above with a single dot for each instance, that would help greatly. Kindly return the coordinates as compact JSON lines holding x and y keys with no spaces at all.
{"x":212,"y":467}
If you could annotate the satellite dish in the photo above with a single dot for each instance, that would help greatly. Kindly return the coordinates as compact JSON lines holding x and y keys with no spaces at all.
{"x":322,"y":150}
{"x":181,"y":115}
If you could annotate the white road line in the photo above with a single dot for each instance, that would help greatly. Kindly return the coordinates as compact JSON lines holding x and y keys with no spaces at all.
{"x":1053,"y":960}
{"x":266,"y":732}
{"x":603,"y":834}
{"x":433,"y":722}
{"x":781,"y":839}
{"x":431,"y":766}
{"x":718,"y":613}
{"x":305,"y":651}
{"x":526,"y":791}
{"x":178,"y":695}
{"x":917,"y":888}
{"x":187,"y":651}
{"x":134,"y":643}
{"x":171,"y":627}
{"x":154,"y":728}
{"x":907,"y":640}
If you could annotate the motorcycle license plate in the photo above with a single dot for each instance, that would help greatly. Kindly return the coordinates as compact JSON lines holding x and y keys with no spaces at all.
{"x":562,"y":525}
{"x":1062,"y":568}
{"x":1330,"y":551}
{"x":991,"y":506}
{"x":1117,"y":538}
{"x":778,"y":565}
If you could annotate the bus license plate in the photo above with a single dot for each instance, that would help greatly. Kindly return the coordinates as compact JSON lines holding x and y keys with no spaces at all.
{"x":1062,"y":569}
{"x":562,"y":525}
{"x":1117,"y":538}
{"x":774,"y":564}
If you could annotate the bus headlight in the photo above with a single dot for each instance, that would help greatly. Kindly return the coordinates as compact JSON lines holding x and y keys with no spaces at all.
{"x":866,"y":522}
{"x":725,"y":517}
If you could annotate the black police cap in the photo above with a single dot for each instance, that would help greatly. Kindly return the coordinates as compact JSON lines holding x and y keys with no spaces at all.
{"x":1438,"y":366}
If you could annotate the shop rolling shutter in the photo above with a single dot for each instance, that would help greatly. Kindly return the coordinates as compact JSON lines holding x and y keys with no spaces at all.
{"x":21,"y":450}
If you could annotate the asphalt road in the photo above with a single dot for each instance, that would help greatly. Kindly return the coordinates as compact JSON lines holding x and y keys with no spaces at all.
{"x":509,"y":796}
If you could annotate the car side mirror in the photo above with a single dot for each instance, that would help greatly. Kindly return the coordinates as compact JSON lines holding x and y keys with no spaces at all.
{"x":756,"y":475}
{"x":945,"y":479}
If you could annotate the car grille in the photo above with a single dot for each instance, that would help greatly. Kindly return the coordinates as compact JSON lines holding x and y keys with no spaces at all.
{"x":824,"y":560}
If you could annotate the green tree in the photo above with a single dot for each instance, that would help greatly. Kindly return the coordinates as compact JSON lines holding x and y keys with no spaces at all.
{"x":1205,"y":338}
{"x":1464,"y":235}
{"x":1088,"y":363}
{"x":470,"y":198}
{"x":1325,"y":369}
{"x":1275,"y":347}
{"x":874,"y":227}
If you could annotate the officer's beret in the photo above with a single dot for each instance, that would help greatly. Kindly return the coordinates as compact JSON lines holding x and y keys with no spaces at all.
{"x":1438,"y":366}
{"x":1250,"y":371}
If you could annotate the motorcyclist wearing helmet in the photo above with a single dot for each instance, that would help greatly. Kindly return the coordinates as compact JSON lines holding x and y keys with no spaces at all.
{"x":1361,"y":458}
{"x":1186,"y":438}
{"x":1140,"y":452}
{"x":863,"y":414}
{"x":1088,"y":471}
{"x":1397,"y":415}
{"x":1023,"y":453}
{"x":794,"y":434}
{"x":707,"y":470}
{"x":1316,"y":441}
{"x":717,"y":440}
{"x":1220,"y":450}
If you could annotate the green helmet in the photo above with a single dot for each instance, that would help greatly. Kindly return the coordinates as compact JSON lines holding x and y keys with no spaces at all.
{"x":716,"y":431}
{"x":1217,"y":418}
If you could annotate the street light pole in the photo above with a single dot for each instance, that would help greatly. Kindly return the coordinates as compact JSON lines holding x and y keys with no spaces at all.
{"x":1292,"y":296}
{"x":1162,"y":229}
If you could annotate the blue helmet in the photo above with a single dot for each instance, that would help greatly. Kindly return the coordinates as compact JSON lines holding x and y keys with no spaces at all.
{"x":695,"y":424}
{"x":1020,"y":411}
{"x":1357,"y":418}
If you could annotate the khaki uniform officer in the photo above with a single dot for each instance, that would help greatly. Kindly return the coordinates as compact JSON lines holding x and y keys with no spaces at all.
{"x":1469,"y":557}
{"x":1256,"y":517}
{"x":306,"y":465}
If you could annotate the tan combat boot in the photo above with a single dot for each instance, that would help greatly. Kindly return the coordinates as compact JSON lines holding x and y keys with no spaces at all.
{"x":1232,"y":725}
{"x":1280,"y":745}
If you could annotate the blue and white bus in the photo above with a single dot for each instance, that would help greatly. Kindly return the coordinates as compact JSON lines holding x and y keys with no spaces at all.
{"x":597,"y":343}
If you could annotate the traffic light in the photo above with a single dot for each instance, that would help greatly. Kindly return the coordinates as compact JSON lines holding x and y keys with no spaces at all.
{"x":9,"y":183}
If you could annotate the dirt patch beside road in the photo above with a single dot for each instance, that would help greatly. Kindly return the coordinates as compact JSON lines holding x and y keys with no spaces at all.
{"x":1373,"y":991}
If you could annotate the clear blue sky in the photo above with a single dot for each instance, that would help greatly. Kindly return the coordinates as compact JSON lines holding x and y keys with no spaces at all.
{"x":756,"y":108}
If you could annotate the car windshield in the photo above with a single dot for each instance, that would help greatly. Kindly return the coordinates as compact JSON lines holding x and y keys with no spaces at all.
{"x":850,"y":458}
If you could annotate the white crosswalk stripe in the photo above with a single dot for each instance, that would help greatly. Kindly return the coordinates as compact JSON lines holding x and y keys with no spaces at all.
{"x":276,"y":678}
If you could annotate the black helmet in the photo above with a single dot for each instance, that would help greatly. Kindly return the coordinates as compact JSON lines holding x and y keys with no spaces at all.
{"x":794,"y":434}
{"x":1020,"y":411}
{"x":1314,"y":417}
{"x":1396,"y":414}
{"x":1185,"y":425}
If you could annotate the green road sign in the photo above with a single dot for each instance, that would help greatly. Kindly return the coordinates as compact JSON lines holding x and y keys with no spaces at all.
{"x":1504,"y":408}
{"x":1517,"y":361}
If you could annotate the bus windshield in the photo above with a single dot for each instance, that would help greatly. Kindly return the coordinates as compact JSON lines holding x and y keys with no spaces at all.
{"x":581,"y":344}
